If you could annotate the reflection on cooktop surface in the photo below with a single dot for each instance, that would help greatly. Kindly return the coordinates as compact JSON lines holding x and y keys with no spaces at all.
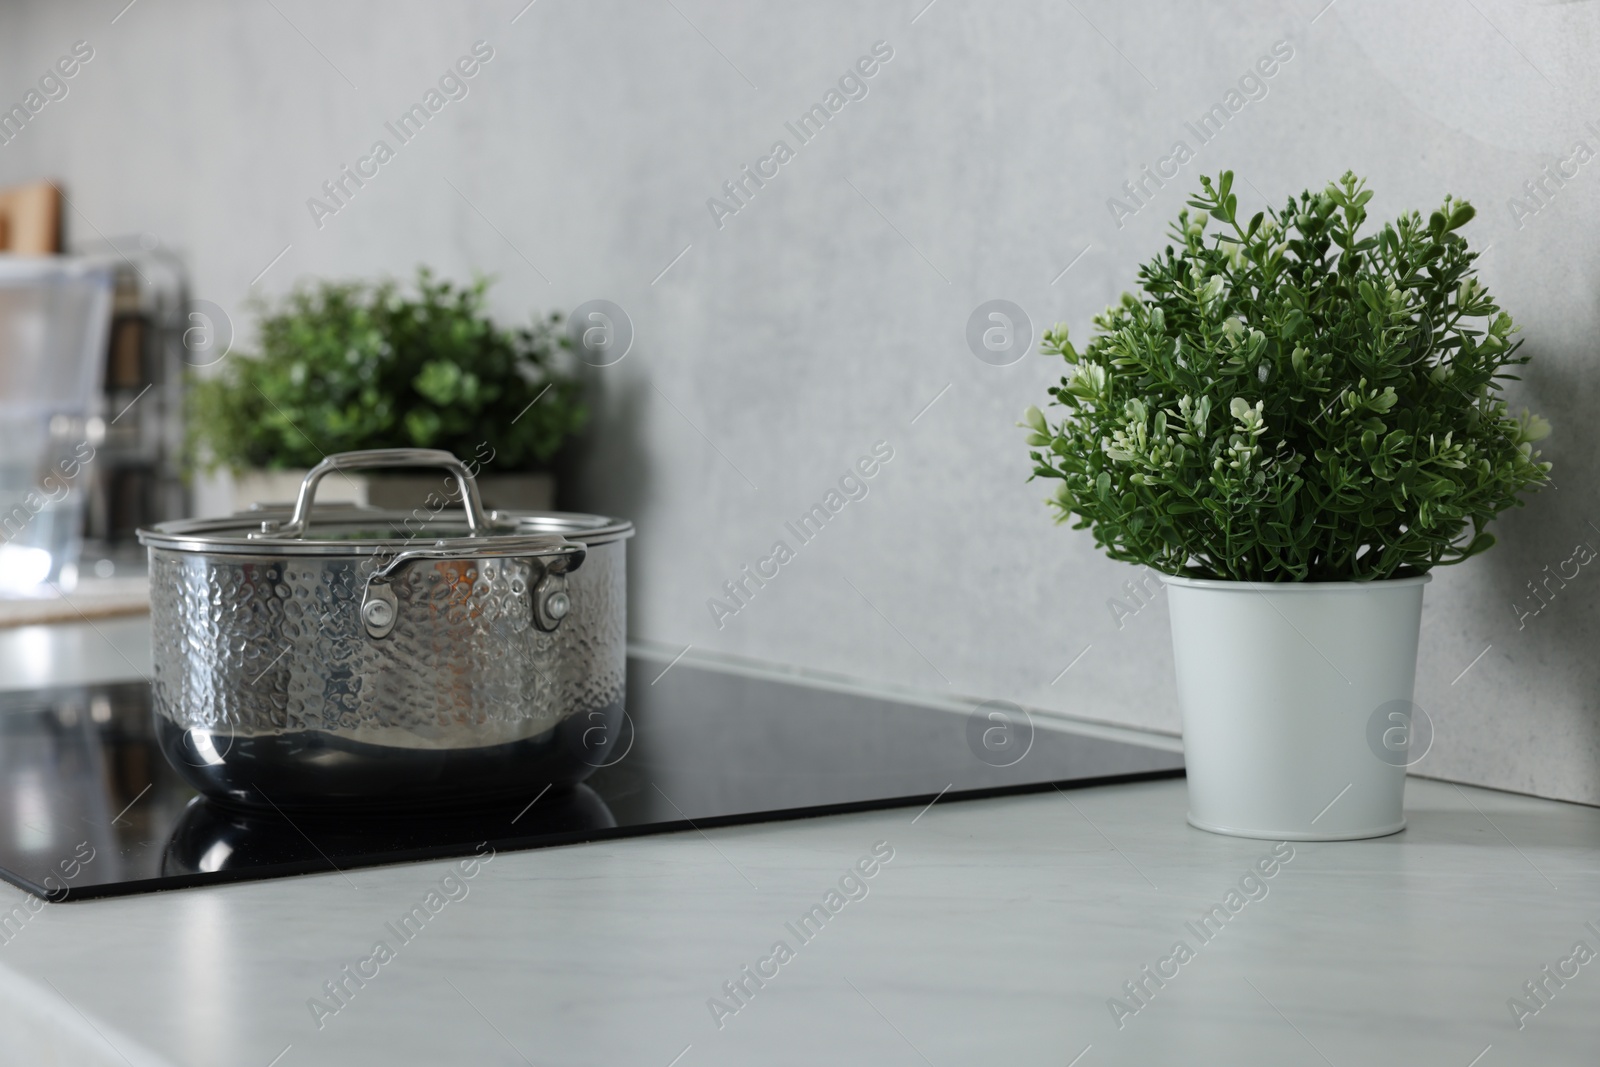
{"x":89,"y":807}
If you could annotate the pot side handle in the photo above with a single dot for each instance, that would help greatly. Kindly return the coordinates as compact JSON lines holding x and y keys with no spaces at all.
{"x":550,"y":602}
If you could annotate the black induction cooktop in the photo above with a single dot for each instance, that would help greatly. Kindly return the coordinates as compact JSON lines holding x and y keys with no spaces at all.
{"x":90,"y":808}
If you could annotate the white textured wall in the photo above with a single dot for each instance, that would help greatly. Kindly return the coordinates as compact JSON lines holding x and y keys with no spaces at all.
{"x":824,"y":316}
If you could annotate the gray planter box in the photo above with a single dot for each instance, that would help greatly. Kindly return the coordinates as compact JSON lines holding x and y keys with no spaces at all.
{"x":398,"y":492}
{"x":507,"y":492}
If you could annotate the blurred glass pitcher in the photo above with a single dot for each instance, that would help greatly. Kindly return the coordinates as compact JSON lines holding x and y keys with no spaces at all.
{"x":54,"y":316}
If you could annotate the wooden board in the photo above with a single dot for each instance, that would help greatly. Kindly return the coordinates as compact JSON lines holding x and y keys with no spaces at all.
{"x":30,"y":219}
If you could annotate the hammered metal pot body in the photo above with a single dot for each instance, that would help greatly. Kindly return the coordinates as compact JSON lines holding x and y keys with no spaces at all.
{"x":270,"y":692}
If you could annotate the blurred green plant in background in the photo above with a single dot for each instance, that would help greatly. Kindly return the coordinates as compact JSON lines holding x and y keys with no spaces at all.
{"x":353,"y":365}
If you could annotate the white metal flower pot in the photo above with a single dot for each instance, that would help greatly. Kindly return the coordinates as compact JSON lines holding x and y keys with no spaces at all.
{"x":1282,"y":686}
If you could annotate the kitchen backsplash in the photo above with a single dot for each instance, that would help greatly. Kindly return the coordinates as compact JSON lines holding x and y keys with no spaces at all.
{"x":827,"y":305}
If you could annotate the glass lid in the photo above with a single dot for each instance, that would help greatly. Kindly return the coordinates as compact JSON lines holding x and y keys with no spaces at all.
{"x":344,"y":529}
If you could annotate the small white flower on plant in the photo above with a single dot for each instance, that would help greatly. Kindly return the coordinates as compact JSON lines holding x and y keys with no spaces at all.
{"x":1532,"y":427}
{"x":1447,"y":454}
{"x":1088,"y":380}
{"x":1118,"y":447}
{"x":1194,"y":413}
{"x":1249,"y":418}
{"x":1241,"y":450}
{"x":1242,"y":446}
{"x":1033,"y":421}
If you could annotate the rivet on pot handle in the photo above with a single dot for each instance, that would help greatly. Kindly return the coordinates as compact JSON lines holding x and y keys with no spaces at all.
{"x":477,"y":520}
{"x":379,"y":609}
{"x":551,"y":604}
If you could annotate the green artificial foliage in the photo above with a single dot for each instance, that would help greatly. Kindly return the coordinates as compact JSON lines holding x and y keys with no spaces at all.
{"x":1293,"y":400}
{"x":354,"y":365}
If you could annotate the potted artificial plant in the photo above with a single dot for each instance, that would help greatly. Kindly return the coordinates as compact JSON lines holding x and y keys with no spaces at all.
{"x":353,"y":365}
{"x":1293,"y":423}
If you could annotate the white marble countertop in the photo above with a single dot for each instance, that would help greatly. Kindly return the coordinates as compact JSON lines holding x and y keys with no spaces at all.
{"x":999,"y":933}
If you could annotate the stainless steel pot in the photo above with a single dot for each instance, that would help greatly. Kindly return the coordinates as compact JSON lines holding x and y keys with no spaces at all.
{"x":367,"y":658}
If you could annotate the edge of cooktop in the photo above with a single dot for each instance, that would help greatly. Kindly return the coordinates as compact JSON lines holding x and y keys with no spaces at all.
{"x":954,"y":703}
{"x":519,"y":843}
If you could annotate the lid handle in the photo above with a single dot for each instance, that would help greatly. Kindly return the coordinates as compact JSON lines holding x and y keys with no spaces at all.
{"x":366,"y":459}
